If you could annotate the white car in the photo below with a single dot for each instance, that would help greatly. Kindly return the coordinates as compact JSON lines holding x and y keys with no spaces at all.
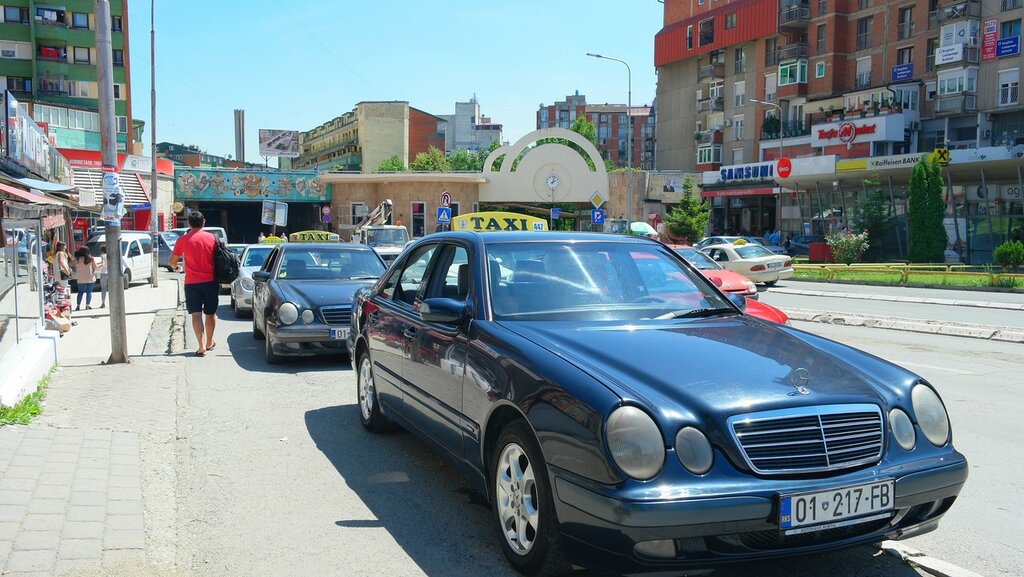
{"x":241,"y":289}
{"x":753,"y":261}
{"x":136,"y":254}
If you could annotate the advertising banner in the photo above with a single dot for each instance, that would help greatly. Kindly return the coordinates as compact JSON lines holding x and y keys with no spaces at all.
{"x":27,"y":144}
{"x":113,"y":196}
{"x":283,"y":143}
{"x":274,"y":213}
{"x":250,"y":185}
{"x":988,"y":39}
{"x":1008,"y":46}
{"x":902,"y":72}
{"x":948,"y":54}
{"x":886,"y":127}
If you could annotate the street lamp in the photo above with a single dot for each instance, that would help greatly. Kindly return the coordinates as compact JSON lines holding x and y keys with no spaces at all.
{"x":153,"y":206}
{"x":629,"y":133}
{"x":782,"y":130}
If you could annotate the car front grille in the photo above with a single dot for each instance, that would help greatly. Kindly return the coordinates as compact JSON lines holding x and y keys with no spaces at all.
{"x":340,"y":315}
{"x":809,"y":439}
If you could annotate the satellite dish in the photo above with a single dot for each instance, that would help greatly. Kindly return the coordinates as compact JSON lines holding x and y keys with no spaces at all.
{"x":178,"y":206}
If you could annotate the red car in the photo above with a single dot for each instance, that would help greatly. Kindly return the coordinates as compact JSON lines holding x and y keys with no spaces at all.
{"x":730,"y":283}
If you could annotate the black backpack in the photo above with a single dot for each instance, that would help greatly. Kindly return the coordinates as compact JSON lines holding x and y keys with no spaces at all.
{"x":225,"y":264}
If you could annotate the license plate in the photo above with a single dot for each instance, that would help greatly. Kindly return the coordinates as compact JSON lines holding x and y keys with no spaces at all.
{"x":836,"y":507}
{"x":339,"y":334}
{"x":774,"y":264}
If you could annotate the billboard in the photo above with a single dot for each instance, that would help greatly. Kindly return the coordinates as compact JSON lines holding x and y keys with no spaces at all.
{"x":28,"y":145}
{"x":284,"y":143}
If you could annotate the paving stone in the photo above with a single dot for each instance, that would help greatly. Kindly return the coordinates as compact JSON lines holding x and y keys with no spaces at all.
{"x":28,"y":461}
{"x":80,"y":549}
{"x":70,"y":436}
{"x":6,"y":546}
{"x":8,"y":497}
{"x":124,"y":522}
{"x":8,"y":529}
{"x":125,"y":459}
{"x":43,"y":522}
{"x":96,"y":434}
{"x":90,"y":473}
{"x":69,"y":456}
{"x":48,"y":506}
{"x":36,"y":540}
{"x":30,"y":561}
{"x":82,"y":530}
{"x":124,"y":471}
{"x":125,"y":481}
{"x":45,"y":433}
{"x":59,"y":467}
{"x":86,"y":513}
{"x":53,"y":491}
{"x":15,"y":513}
{"x":17,"y":484}
{"x":124,"y":494}
{"x":93,"y":498}
{"x":88,"y":452}
{"x":127,"y":539}
{"x":22,"y":472}
{"x":89,"y":485}
{"x":34,"y":448}
{"x":51,"y":478}
{"x":95,"y":444}
{"x":124,"y":508}
{"x":74,"y":567}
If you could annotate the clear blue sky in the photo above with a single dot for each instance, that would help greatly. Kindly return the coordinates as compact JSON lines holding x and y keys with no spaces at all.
{"x":294,"y":64}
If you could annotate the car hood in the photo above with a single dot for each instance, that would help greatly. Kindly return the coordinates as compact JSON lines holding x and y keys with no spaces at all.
{"x":691,"y":371}
{"x":314,"y":293}
{"x":730,"y":281}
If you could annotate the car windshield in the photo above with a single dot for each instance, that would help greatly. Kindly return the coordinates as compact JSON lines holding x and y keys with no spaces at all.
{"x":319,"y":263}
{"x":170,"y":238}
{"x":387,"y":236}
{"x":593,"y":281}
{"x":698,"y":259}
{"x":255,"y":255}
{"x":753,"y":251}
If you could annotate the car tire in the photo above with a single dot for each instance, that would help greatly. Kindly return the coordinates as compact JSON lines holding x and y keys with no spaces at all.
{"x":127,"y":278}
{"x":256,"y":332}
{"x":366,"y":397}
{"x":770,"y":282}
{"x":523,"y":506}
{"x":268,"y":350}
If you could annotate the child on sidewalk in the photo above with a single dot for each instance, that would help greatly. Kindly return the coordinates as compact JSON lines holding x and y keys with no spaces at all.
{"x":85,"y":275}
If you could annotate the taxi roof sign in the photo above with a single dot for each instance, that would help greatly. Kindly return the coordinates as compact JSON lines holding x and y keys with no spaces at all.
{"x":498,"y":221}
{"x":313,"y":236}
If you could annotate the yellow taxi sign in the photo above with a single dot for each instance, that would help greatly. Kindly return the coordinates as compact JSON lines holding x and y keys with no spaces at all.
{"x":313,"y":236}
{"x":272,"y":240}
{"x":498,"y":221}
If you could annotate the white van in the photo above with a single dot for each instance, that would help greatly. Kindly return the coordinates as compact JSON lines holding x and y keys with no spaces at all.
{"x":136,"y":254}
{"x":220,"y":233}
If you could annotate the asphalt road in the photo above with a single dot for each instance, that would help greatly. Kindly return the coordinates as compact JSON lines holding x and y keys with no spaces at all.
{"x":277,"y":477}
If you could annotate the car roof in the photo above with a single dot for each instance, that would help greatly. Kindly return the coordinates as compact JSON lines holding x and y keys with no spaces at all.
{"x":499,"y":237}
{"x":287,"y":246}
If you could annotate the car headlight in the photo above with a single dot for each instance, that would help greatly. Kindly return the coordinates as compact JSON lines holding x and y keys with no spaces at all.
{"x":247,"y":284}
{"x":902,"y":429}
{"x":931,"y":415}
{"x":287,"y":313}
{"x":694,"y":450}
{"x":635,"y":443}
{"x":307,"y":316}
{"x":751,"y":286}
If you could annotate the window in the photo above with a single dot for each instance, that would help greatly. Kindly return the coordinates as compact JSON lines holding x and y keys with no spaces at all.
{"x":54,"y":53}
{"x":1009,"y":87}
{"x":793,"y":72}
{"x":933,"y":43}
{"x":730,"y":21}
{"x":741,"y":60}
{"x":906,"y":25}
{"x":115,"y":24}
{"x":819,"y":69}
{"x":16,"y":14}
{"x":414,"y":273}
{"x":906,"y":98}
{"x":739,"y":93}
{"x":960,"y":32}
{"x":737,"y":156}
{"x":50,"y":16}
{"x":929,"y":90}
{"x":905,"y":55}
{"x":447,"y":286}
{"x":118,"y":57}
{"x":117,"y":91}
{"x":771,"y":57}
{"x":418,"y":210}
{"x":864,"y":33}
{"x":821,"y":39}
{"x":769,"y":87}
{"x":1009,"y":29}
{"x":737,"y":127}
{"x":82,"y":55}
{"x":709,"y":154}
{"x":706,"y":31}
{"x":1011,"y":4}
{"x":863,"y":4}
{"x":455,"y":209}
{"x":79,"y":20}
{"x":19,"y":84}
{"x":822,"y":7}
{"x":863,"y":79}
{"x":689,"y":37}
{"x":957,"y":81}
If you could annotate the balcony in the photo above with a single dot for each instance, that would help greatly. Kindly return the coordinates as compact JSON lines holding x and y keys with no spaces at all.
{"x":794,"y":16}
{"x":713,"y":136}
{"x":715,"y":71}
{"x":713,"y":104}
{"x":863,"y":41}
{"x":793,"y":51}
{"x":863,"y":80}
{"x":969,"y":9}
{"x":787,"y":129}
{"x":956,"y":55}
{"x":53,"y":91}
{"x":956,"y":103}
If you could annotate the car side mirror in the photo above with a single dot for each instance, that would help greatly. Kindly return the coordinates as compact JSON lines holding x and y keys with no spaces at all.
{"x":260,"y":276}
{"x":738,"y":300}
{"x":442,"y":310}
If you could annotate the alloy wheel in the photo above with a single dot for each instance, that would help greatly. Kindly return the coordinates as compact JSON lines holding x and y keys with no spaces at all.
{"x":518,"y":501}
{"x":367,"y":392}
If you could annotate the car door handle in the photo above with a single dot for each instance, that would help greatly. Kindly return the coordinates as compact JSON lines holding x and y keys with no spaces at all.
{"x":410,"y":333}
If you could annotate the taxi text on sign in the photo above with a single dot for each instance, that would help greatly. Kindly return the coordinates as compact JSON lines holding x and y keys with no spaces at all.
{"x":498,"y":221}
{"x":313,"y":236}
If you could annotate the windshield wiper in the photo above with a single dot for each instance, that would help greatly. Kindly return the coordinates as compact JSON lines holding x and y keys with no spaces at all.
{"x":696,"y":313}
{"x":362,"y":277}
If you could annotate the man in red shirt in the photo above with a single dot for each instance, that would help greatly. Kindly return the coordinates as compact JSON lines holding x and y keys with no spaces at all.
{"x":202,"y":293}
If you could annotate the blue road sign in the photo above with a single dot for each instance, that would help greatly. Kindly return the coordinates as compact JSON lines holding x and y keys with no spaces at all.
{"x":444,"y":215}
{"x":556,"y":213}
{"x":597,"y":216}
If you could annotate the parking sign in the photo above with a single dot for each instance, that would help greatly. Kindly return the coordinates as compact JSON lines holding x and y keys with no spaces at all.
{"x":597,"y":216}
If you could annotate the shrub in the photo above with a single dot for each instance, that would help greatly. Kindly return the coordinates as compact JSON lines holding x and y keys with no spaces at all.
{"x":1009,"y":255}
{"x":847,"y":248}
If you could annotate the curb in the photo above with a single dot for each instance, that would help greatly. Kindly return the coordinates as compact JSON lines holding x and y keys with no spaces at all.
{"x":898,"y":299}
{"x":932,"y":565}
{"x":1004,"y":334}
{"x":915,"y":285}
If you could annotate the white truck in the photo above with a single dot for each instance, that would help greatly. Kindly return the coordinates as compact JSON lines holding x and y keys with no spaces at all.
{"x":385,"y":239}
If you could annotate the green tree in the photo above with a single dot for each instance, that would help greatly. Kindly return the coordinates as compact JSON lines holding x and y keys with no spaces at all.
{"x":465,"y":161}
{"x":873,"y":215}
{"x":928,"y":238}
{"x":689,"y":219}
{"x":433,"y":160}
{"x":393,"y":164}
{"x":584,"y":128}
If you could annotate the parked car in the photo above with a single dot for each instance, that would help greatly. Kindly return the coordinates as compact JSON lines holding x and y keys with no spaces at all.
{"x":726,"y":280}
{"x":216,"y":231}
{"x":165,"y":244}
{"x":752,"y":261}
{"x":632,"y":420}
{"x":711,"y":240}
{"x":136,"y":255}
{"x":252,"y":259}
{"x":801,"y":245}
{"x":302,"y":299}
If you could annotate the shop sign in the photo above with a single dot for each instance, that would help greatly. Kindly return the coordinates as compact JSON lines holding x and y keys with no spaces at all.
{"x":888,"y":127}
{"x":902,"y":72}
{"x":1008,"y":46}
{"x":988,"y":39}
{"x":737,"y":192}
{"x":757,"y":171}
{"x":947,"y":54}
{"x":993,"y":192}
{"x":498,"y":221}
{"x":313,"y":236}
{"x":896,"y":161}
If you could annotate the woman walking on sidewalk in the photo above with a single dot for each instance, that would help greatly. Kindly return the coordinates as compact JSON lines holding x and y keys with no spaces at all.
{"x":102,"y":262}
{"x":85,"y":275}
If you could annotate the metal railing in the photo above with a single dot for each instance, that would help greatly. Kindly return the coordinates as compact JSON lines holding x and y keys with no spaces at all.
{"x":863,"y":80}
{"x":905,"y":30}
{"x":795,"y":15}
{"x":951,"y":103}
{"x":969,"y":9}
{"x":787,"y":129}
{"x":792,"y":51}
{"x":711,"y":104}
{"x":714,"y":70}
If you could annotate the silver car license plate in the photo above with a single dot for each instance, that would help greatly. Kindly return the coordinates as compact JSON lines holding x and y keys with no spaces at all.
{"x":339,"y":334}
{"x":774,"y":264}
{"x":836,"y":507}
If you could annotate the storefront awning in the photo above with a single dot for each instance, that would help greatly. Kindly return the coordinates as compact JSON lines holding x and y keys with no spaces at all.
{"x":26,"y":195}
{"x":91,"y":180}
{"x":44,"y":185}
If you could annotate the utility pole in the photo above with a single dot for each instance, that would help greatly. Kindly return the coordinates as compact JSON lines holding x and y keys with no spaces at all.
{"x":113,"y":198}
{"x":154,"y":277}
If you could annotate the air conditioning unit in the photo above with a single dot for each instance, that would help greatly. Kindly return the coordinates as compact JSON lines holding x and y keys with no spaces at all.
{"x":972,"y":40}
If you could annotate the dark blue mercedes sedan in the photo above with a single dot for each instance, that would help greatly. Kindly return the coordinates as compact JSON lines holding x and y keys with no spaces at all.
{"x":620,"y":412}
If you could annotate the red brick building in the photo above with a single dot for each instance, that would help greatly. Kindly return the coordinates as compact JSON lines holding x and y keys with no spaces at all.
{"x":611,"y":126}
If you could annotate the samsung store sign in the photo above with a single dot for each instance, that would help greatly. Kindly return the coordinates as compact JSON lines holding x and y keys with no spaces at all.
{"x":756,"y":171}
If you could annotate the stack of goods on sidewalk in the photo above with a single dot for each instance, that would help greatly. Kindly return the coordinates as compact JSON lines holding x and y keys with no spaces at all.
{"x":57,"y":306}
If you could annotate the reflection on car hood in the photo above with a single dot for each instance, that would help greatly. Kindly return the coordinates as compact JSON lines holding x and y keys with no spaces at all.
{"x":731,"y":281}
{"x":694,"y":369}
{"x":315,"y":293}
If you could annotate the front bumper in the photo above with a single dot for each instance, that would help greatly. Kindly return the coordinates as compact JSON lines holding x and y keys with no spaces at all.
{"x":242,"y":298}
{"x":600,"y":529}
{"x":303,"y":340}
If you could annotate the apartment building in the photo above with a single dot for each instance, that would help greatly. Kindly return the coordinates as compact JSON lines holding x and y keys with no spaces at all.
{"x":610,"y":122}
{"x":468,"y":129}
{"x":48,"y":61}
{"x":369,"y":134}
